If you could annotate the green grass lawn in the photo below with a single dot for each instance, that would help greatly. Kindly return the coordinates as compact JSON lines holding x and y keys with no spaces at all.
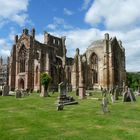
{"x":36,"y":118}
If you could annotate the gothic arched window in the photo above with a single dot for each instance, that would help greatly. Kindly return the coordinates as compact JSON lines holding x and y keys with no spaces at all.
{"x":22,"y":58}
{"x":94,"y":67}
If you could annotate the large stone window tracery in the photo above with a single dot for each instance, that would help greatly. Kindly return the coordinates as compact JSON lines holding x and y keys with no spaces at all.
{"x":22,"y":58}
{"x":94,"y":68}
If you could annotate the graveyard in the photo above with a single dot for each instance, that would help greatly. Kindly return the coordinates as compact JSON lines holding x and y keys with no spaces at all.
{"x":69,"y":70}
{"x":35,"y":118}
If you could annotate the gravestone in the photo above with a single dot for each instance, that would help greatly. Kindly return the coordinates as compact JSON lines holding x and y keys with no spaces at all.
{"x":128,"y":95}
{"x":60,"y":106}
{"x":24,"y":93}
{"x":112,"y":95}
{"x":104,"y":104}
{"x":18,"y":94}
{"x":5,"y":91}
{"x":63,"y":99}
{"x":63,"y":93}
{"x":62,"y":88}
{"x":104,"y":91}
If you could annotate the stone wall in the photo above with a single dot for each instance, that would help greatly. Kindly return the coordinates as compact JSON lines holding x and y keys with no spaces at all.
{"x":110,"y":68}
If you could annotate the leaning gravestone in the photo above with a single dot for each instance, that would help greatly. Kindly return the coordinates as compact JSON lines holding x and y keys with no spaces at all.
{"x":63,"y":99}
{"x":62,"y":88}
{"x":5,"y":91}
{"x":128,"y":95}
{"x":18,"y":94}
{"x":62,"y":91}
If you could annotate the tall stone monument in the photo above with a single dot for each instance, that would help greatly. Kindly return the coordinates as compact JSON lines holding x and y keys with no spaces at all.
{"x":82,"y":91}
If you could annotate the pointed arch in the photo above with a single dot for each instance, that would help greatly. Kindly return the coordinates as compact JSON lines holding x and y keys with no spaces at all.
{"x":22,"y":58}
{"x":94,"y":67}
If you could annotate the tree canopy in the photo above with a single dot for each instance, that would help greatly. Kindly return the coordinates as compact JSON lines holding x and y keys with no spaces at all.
{"x":133,"y":79}
{"x":45,"y":79}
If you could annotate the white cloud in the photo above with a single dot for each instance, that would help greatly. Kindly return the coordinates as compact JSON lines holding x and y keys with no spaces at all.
{"x":59,"y":23}
{"x":14,"y":10}
{"x":6,"y":43}
{"x":68,"y":12}
{"x":40,"y":37}
{"x":52,"y":26}
{"x":82,"y":38}
{"x":20,"y":19}
{"x":114,"y":14}
{"x":5,"y":53}
{"x":4,"y":48}
{"x":85,"y":4}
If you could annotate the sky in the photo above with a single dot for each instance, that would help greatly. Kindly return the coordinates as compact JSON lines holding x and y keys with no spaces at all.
{"x":81,"y":21}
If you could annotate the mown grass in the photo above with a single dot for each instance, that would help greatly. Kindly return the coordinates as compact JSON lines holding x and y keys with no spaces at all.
{"x":36,"y":118}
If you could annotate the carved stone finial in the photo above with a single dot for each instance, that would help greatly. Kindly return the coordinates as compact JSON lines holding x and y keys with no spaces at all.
{"x":77,"y":51}
{"x":106,"y":36}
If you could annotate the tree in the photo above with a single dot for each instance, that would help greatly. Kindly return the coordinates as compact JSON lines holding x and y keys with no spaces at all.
{"x":45,"y":80}
{"x":133,"y":80}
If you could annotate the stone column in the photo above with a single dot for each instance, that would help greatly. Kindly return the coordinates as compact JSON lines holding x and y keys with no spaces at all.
{"x":111,"y":69}
{"x":106,"y":62}
{"x":47,"y":69}
{"x":73,"y":77}
{"x":75,"y":71}
{"x":64,"y":50}
{"x":17,"y":71}
{"x":81,"y":81}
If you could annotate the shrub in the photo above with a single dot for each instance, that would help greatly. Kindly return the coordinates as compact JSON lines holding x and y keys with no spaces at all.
{"x":45,"y":80}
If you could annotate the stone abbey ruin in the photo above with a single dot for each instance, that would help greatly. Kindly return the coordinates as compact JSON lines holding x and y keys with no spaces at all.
{"x":101,"y":66}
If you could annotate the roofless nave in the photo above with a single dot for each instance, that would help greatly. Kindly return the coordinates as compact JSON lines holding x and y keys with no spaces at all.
{"x":102,"y":65}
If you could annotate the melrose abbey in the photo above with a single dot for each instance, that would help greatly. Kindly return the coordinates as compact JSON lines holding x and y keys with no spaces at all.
{"x":102,"y":65}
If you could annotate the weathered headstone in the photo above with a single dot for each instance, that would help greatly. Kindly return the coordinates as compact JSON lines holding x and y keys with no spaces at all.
{"x":112,"y":95}
{"x":62,"y":91}
{"x":18,"y":94}
{"x":128,"y":95}
{"x":104,"y":104}
{"x":60,"y":106}
{"x":24,"y":93}
{"x":62,"y":88}
{"x":5,"y":91}
{"x":104,"y":91}
{"x":63,"y":99}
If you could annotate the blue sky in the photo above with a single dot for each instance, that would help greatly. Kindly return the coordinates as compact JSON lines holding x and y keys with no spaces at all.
{"x":81,"y":21}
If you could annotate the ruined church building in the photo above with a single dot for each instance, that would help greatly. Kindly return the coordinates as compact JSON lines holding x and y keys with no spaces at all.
{"x":102,"y":65}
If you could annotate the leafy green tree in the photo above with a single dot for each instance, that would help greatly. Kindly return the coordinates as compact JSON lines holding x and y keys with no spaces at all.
{"x":45,"y":80}
{"x":133,"y":80}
